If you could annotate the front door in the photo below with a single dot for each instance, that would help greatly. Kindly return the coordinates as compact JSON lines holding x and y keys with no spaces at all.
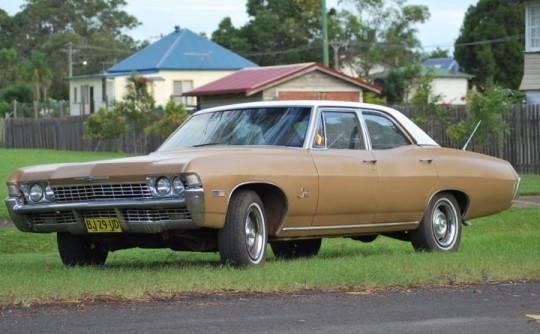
{"x":348,"y":176}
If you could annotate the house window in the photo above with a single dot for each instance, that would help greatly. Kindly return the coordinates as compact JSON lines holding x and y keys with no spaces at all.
{"x":533,"y":28}
{"x":85,"y":93}
{"x":180,"y":87}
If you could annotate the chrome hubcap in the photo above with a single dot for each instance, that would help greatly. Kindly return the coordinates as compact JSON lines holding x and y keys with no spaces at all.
{"x":255,"y":232}
{"x":445,"y":223}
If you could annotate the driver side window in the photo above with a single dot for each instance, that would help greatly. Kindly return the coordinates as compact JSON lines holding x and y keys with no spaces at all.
{"x":340,"y":130}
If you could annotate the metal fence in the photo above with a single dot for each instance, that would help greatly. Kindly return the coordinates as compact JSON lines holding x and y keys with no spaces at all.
{"x":521,"y":147}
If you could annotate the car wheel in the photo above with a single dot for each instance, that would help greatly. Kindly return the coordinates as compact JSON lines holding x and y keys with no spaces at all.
{"x":296,"y":248}
{"x":440,"y":229}
{"x":242,"y":241}
{"x":79,"y":251}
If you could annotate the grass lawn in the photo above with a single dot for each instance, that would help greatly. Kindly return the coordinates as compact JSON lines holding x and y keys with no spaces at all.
{"x":503,"y":247}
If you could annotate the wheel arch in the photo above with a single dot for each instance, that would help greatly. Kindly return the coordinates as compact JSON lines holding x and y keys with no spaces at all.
{"x":273,"y":199}
{"x":461,"y":197}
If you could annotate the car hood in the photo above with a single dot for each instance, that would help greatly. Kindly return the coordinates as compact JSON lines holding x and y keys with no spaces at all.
{"x":129,"y":169}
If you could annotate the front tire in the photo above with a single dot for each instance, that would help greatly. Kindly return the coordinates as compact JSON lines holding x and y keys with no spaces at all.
{"x":440,"y":229}
{"x":242,"y":241}
{"x":296,"y":248}
{"x":79,"y":251}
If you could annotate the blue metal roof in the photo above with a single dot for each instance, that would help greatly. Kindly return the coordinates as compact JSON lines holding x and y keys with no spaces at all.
{"x":182,"y":50}
{"x":445,"y":63}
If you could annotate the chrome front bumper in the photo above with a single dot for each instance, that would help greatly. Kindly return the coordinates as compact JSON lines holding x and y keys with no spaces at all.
{"x":193,"y":202}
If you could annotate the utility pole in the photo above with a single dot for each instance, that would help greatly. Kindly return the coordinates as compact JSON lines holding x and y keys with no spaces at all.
{"x":70,"y":59}
{"x":336,"y":45}
{"x":324,"y":32}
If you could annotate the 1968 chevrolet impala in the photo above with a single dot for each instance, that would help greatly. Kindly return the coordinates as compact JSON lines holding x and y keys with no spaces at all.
{"x":233,"y":179}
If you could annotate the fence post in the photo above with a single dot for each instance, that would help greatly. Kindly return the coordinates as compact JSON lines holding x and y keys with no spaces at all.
{"x":14,"y":108}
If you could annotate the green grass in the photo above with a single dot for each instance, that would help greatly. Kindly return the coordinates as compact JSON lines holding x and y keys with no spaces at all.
{"x":16,"y":158}
{"x":502,"y":247}
{"x":530,"y":185}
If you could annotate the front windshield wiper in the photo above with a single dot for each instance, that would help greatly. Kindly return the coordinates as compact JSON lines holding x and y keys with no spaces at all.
{"x":206,"y":144}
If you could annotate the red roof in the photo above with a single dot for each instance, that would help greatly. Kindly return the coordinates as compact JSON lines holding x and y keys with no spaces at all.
{"x":253,"y":80}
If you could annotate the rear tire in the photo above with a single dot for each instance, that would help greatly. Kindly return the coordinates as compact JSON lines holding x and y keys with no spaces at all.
{"x":77,"y":250}
{"x":242,"y":241}
{"x":296,"y":248}
{"x":440,"y":229}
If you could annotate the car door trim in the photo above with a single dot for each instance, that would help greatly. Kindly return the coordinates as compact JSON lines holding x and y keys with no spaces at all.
{"x":347,"y":227}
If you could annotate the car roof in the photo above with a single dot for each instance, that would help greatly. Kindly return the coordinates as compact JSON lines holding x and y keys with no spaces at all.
{"x":419,"y":135}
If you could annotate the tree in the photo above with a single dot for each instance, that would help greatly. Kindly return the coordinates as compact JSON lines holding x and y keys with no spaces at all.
{"x":399,"y":82}
{"x":382,"y":33}
{"x":105,"y":125}
{"x":95,"y":27}
{"x":490,"y":45}
{"x":38,"y":74}
{"x":438,"y":53}
{"x":426,"y":102}
{"x":489,"y":105}
{"x":174,"y":116}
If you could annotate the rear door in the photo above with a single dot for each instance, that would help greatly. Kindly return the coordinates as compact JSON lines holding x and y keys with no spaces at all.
{"x":407,"y":173}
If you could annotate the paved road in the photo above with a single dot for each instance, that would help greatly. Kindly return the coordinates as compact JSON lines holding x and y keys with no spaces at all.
{"x":490,"y":309}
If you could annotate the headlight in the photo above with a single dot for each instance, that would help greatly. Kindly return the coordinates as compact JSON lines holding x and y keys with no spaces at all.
{"x":163,"y":186}
{"x":36,"y":192}
{"x":178,"y":185}
{"x":49,"y":194}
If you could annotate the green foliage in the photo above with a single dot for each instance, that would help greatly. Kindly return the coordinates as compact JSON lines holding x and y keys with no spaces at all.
{"x":5,"y":108}
{"x":19,"y":93}
{"x":427,"y":103}
{"x":9,"y":67}
{"x":105,"y":125}
{"x":379,"y":32}
{"x":493,"y":20}
{"x":97,"y":29}
{"x":438,"y":53}
{"x":399,"y":83}
{"x":174,"y":116}
{"x":489,"y":106}
{"x":370,"y":97}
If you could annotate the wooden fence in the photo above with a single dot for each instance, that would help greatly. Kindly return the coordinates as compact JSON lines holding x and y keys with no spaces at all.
{"x":68,"y":134}
{"x":521,"y":147}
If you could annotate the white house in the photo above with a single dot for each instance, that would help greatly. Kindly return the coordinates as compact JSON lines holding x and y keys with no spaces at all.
{"x":530,"y":84}
{"x":179,"y":62}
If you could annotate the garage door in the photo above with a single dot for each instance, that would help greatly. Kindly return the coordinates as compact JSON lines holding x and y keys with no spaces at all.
{"x":339,"y":96}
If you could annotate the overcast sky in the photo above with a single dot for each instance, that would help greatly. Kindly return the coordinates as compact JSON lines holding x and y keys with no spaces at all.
{"x":159,"y":17}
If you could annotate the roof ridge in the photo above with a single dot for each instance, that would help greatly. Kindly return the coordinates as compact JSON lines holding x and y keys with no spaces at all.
{"x":171,"y":47}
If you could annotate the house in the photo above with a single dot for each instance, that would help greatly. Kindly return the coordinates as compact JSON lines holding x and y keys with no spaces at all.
{"x":530,"y":84}
{"x":448,"y":82}
{"x":307,"y":81}
{"x":175,"y":64}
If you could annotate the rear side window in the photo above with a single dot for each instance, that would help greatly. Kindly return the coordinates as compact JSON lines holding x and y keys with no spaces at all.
{"x":384,"y":133}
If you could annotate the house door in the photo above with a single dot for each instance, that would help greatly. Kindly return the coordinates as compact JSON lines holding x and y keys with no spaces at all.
{"x":92,"y":102}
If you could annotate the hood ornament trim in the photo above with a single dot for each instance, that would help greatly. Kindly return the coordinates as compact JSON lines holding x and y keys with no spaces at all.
{"x":91,"y":178}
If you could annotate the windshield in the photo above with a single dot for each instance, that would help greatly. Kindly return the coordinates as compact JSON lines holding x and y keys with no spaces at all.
{"x":278,"y":126}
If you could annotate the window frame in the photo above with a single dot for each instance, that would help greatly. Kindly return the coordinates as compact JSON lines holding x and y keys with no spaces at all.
{"x":529,"y":47}
{"x":398,"y":125}
{"x":320,"y":121}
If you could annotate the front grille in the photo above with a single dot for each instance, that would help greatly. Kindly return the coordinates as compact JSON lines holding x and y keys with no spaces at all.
{"x":50,"y":218}
{"x":82,"y":193}
{"x":130,"y":216}
{"x":155,"y":215}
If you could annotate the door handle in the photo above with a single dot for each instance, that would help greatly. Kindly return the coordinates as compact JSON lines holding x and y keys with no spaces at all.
{"x":370,"y":161}
{"x":426,"y":160}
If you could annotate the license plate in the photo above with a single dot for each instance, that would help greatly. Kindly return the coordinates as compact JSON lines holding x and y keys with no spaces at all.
{"x":103,"y":225}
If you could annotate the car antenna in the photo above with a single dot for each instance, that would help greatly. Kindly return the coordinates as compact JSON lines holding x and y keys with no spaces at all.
{"x":470,"y":137}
